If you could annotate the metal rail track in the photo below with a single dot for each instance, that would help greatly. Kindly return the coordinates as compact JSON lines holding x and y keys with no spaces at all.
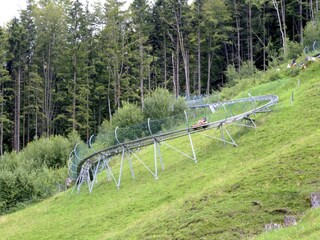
{"x":85,"y":169}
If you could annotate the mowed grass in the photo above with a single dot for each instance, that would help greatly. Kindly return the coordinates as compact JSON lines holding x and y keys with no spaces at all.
{"x":229,"y":194}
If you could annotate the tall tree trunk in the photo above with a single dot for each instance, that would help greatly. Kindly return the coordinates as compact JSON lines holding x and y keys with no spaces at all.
{"x":108,"y":99}
{"x":209,"y":73}
{"x":118,"y":91}
{"x":165,"y":62}
{"x":199,"y":58}
{"x":238,"y":35}
{"x":184,"y":53}
{"x":174,"y":76}
{"x":87,"y":110}
{"x":301,"y":21}
{"x":264,"y":37}
{"x":283,"y":15}
{"x":149,"y":79}
{"x":250,"y":33}
{"x":141,"y":74}
{"x":226,"y":52}
{"x":281,"y":26}
{"x":311,"y":11}
{"x":16,"y":141}
{"x":187,"y":70}
{"x":1,"y":120}
{"x":209,"y":66}
{"x":178,"y":68}
{"x":36,"y":116}
{"x":74,"y":93}
{"x":47,"y":92}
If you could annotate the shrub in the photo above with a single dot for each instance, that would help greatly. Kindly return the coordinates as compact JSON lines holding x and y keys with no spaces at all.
{"x":232,"y":75}
{"x":162,"y":104}
{"x":128,"y":114}
{"x":294,"y":50}
{"x":247,"y":70}
{"x":273,"y":75}
{"x":312,"y":31}
{"x":33,"y":173}
{"x":52,"y":152}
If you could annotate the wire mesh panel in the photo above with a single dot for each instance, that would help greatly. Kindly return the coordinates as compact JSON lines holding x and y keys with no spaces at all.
{"x":169,"y":124}
{"x":133,"y":132}
{"x":80,"y":152}
{"x":312,"y":49}
{"x":104,"y":140}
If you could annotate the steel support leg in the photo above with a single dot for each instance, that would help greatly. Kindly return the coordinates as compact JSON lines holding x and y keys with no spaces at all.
{"x":121,"y":167}
{"x":192,"y":147}
{"x":155,"y":159}
{"x":94,"y":176}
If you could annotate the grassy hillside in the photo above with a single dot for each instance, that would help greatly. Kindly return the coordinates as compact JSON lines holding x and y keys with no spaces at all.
{"x":308,"y":229}
{"x":229,"y":194}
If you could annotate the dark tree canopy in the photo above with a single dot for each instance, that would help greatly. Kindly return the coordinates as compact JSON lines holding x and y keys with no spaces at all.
{"x":67,"y":66}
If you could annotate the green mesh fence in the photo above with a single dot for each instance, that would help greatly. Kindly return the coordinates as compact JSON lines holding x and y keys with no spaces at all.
{"x":80,"y":152}
{"x":133,"y":132}
{"x":312,"y":49}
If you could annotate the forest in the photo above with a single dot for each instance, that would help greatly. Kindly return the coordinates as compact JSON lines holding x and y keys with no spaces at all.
{"x":69,"y":66}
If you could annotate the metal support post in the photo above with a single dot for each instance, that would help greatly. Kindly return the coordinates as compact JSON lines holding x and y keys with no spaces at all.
{"x":222,"y":139}
{"x":155,"y":159}
{"x":172,"y":147}
{"x":121,"y":166}
{"x":225,"y":129}
{"x":190,"y":138}
{"x":192,"y":147}
{"x":95,"y":179}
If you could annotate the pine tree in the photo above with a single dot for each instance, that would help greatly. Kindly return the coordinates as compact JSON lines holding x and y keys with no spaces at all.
{"x":17,"y":59}
{"x":4,"y":79}
{"x":140,"y":37}
{"x":51,"y":25}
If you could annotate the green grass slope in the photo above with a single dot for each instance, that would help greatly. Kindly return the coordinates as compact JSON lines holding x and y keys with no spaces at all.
{"x":307,"y":229}
{"x":229,"y":194}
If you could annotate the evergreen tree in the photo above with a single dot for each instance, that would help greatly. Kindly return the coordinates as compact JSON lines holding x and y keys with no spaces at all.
{"x":51,"y":25}
{"x":4,"y":79}
{"x":140,"y":38}
{"x":114,"y":46}
{"x":29,"y":128}
{"x":17,"y":59}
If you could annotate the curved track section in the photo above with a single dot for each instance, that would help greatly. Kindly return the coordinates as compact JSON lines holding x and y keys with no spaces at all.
{"x":86,"y":162}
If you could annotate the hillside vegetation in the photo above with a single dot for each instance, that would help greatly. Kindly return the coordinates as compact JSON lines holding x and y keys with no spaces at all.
{"x":229,"y":194}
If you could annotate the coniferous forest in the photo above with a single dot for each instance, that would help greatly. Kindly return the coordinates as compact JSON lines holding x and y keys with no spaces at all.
{"x":69,"y":66}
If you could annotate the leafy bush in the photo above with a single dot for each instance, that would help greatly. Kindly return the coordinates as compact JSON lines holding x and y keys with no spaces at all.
{"x":312,"y":31}
{"x":232,"y":75}
{"x":247,"y":71}
{"x":273,"y":75}
{"x":162,"y":104}
{"x":128,"y":114}
{"x":52,"y":152}
{"x":294,"y":50}
{"x":33,"y":173}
